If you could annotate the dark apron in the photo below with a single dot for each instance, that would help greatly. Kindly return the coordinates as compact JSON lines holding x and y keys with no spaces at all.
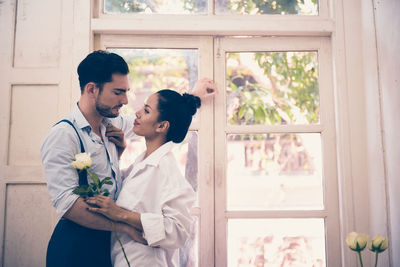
{"x":73,"y":245}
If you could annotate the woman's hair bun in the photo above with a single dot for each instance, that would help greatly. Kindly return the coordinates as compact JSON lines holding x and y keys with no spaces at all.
{"x":192,"y":101}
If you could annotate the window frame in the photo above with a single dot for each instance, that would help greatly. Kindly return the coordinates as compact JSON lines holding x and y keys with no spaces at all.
{"x":326,"y":127}
{"x":203,"y":126}
{"x":329,"y":23}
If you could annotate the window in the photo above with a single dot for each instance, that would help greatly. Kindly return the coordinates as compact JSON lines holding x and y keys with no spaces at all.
{"x":262,"y":154}
{"x":274,"y":176}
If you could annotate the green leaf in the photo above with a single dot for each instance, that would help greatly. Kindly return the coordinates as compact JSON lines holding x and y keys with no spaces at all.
{"x":95,"y":179}
{"x":106,"y":180}
{"x":259,"y":115}
{"x":241,"y":111}
{"x":105,"y":192}
{"x":82,"y":191}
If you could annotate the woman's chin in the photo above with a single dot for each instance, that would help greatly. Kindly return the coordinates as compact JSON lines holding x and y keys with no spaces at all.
{"x":136,"y":131}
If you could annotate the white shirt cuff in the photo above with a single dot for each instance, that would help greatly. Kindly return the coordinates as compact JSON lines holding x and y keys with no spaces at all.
{"x":153,"y":227}
{"x":63,"y":206}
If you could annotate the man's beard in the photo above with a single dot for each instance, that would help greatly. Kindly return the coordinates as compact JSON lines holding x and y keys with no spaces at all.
{"x":105,"y":111}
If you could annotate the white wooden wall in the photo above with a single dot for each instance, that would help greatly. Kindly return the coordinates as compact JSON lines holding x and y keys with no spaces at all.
{"x":387,"y":23}
{"x":37,"y":54}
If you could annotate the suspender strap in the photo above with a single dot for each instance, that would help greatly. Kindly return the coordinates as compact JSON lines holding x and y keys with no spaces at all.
{"x":82,"y":173}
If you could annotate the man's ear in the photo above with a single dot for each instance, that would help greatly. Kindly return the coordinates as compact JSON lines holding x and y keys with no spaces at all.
{"x":91,"y":88}
{"x":163,"y":127}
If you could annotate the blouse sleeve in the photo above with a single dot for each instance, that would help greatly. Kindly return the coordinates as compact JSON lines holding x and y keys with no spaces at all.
{"x":170,"y":229}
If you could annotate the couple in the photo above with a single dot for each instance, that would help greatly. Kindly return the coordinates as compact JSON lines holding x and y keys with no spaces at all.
{"x":152,"y":198}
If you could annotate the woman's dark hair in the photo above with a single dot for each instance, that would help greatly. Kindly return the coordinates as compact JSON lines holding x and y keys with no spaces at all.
{"x":99,"y":66}
{"x":178,"y":110}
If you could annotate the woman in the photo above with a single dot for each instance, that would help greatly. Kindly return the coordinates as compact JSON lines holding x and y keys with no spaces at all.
{"x":155,"y":197}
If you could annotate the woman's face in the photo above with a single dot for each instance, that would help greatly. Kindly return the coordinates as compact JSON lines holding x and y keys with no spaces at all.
{"x":146,"y":122}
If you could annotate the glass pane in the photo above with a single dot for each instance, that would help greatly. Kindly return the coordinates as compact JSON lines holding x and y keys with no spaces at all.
{"x":276,"y":242}
{"x":281,"y":7}
{"x":274,"y":172}
{"x":188,"y":256}
{"x":272,"y":88}
{"x":156,"y":6}
{"x":154,"y":69}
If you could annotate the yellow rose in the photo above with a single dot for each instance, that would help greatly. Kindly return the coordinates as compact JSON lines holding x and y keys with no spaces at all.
{"x":379,"y":244}
{"x":82,"y":161}
{"x":356,"y":242}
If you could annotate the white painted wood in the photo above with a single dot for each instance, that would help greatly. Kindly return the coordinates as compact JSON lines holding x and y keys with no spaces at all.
{"x":212,"y":25}
{"x":378,"y":222}
{"x":33,"y":113}
{"x":388,"y":66}
{"x":7,"y":9}
{"x":329,"y":154}
{"x":35,"y":48}
{"x":260,"y":214}
{"x":35,"y":69}
{"x":220,"y":155}
{"x":343,"y":125}
{"x":23,"y":174}
{"x":29,"y":215}
{"x":42,"y":76}
{"x":82,"y":43}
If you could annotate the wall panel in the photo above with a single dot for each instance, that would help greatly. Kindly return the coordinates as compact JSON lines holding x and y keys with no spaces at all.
{"x":30,"y":219}
{"x":33,"y":111}
{"x":37,"y":33}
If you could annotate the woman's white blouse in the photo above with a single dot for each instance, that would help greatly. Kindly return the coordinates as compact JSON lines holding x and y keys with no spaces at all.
{"x":155,"y":188}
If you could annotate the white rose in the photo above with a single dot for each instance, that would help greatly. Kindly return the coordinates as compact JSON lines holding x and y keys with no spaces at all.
{"x":82,"y":161}
{"x":356,"y":242}
{"x":379,"y":244}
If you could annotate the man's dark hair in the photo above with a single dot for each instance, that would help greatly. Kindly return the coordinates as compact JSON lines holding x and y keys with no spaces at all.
{"x":99,"y":66}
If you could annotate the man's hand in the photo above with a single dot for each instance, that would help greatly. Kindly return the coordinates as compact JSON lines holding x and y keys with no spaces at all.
{"x":116,"y":136}
{"x":204,"y":88}
{"x":132,"y":232}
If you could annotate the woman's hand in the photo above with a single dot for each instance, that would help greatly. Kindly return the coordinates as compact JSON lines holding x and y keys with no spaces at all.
{"x":204,"y":88}
{"x":106,"y":206}
{"x":116,"y":136}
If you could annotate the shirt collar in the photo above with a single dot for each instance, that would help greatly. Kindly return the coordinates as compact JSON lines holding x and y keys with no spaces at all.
{"x":80,"y":120}
{"x":155,"y":157}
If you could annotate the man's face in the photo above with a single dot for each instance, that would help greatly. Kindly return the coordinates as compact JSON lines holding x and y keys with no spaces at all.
{"x":113,"y":96}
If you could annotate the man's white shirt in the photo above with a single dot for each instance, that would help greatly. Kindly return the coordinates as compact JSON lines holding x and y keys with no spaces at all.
{"x":62,"y":144}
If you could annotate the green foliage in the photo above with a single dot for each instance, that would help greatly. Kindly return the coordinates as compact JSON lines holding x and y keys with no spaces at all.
{"x":152,"y":6}
{"x":124,"y":6}
{"x":200,"y":6}
{"x":290,"y":95}
{"x":95,"y":187}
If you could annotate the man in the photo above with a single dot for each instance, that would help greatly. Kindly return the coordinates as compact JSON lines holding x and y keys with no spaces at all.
{"x":82,"y":238}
